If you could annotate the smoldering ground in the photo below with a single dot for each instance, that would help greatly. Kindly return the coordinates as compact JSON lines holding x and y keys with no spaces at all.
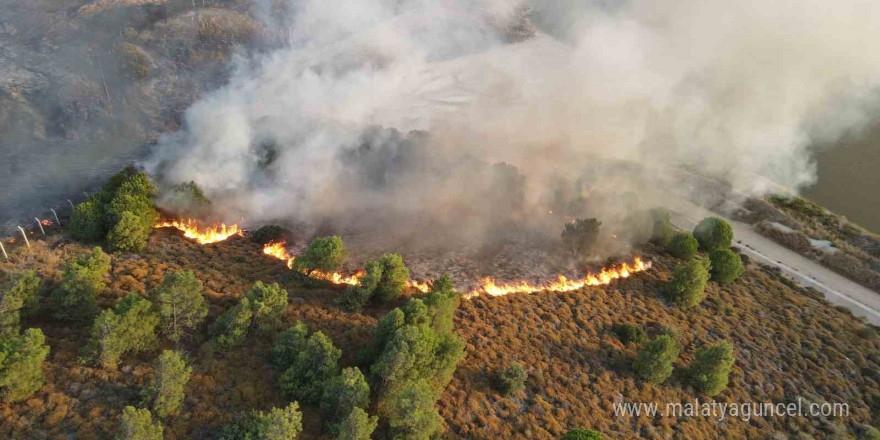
{"x":735,"y":91}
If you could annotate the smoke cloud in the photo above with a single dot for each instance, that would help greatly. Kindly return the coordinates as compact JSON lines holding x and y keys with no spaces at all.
{"x":400,"y":107}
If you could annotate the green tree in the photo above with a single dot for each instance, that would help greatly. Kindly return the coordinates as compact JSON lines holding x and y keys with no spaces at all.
{"x":288,"y":344}
{"x":87,"y":220}
{"x":726,"y":265}
{"x":138,"y":424}
{"x":711,"y":367}
{"x":511,"y":379}
{"x":581,"y":235}
{"x":231,"y":328}
{"x":21,"y":364}
{"x":324,"y":253}
{"x":581,"y":434}
{"x":342,"y":394}
{"x":683,"y":245}
{"x":688,"y":284}
{"x":312,"y":369}
{"x":628,"y":333}
{"x":277,"y":424}
{"x":442,"y":302}
{"x":268,"y":303}
{"x":654,"y":360}
{"x":661,"y":231}
{"x":165,"y":392}
{"x":413,"y":415}
{"x":129,"y":327}
{"x":713,"y":233}
{"x":18,"y":296}
{"x":358,"y":425}
{"x":83,"y":280}
{"x":130,"y":234}
{"x":180,"y":304}
{"x":186,"y":199}
{"x":353,"y":298}
{"x":392,"y":277}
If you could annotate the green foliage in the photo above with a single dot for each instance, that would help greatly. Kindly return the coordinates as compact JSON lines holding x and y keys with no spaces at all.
{"x":726,"y":265}
{"x":277,"y":424}
{"x":393,"y":276}
{"x":581,"y":434}
{"x":353,"y":298}
{"x":511,"y":380}
{"x":324,"y":253}
{"x":130,"y":234}
{"x":711,"y":367}
{"x":129,"y":327}
{"x":138,"y":424}
{"x":581,"y":235}
{"x":358,"y":425}
{"x":186,"y":199}
{"x":180,"y":303}
{"x":413,"y":415}
{"x":21,"y":364}
{"x":87,"y":220}
{"x":713,"y":233}
{"x":683,"y":245}
{"x":442,"y":302}
{"x":312,"y":369}
{"x":268,"y":303}
{"x":81,"y":283}
{"x":19,"y":295}
{"x":342,"y":394}
{"x":170,"y":376}
{"x":661,"y":228}
{"x":629,"y":333}
{"x":271,"y":234}
{"x":288,"y":344}
{"x":231,"y":328}
{"x":654,"y":360}
{"x":688,"y":284}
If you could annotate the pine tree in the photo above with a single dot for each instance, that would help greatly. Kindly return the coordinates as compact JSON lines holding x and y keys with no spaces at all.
{"x":654,"y":361}
{"x":342,"y":394}
{"x":358,"y":425}
{"x":21,"y":364}
{"x":688,"y":284}
{"x":231,"y":328}
{"x":129,"y":327}
{"x":312,"y":369}
{"x":280,"y":423}
{"x":268,"y":303}
{"x":288,"y":344}
{"x":392,"y":277}
{"x":19,"y":296}
{"x":180,"y":304}
{"x":138,"y":424}
{"x":166,"y":390}
{"x":83,"y":280}
{"x":323,"y":253}
{"x":413,"y":415}
{"x":711,"y":368}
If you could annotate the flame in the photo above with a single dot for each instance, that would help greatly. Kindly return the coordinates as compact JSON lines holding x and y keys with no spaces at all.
{"x":190,"y":229}
{"x":46,"y":222}
{"x":421,"y":287}
{"x":277,"y":250}
{"x":563,"y":284}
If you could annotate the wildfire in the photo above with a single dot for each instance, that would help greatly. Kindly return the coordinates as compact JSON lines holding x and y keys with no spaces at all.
{"x":191,"y":230}
{"x":278,"y":251}
{"x":563,"y":284}
{"x":46,"y":222}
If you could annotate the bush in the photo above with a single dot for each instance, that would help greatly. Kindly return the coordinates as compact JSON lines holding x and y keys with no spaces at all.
{"x":165,"y":392}
{"x":130,"y":234}
{"x":186,"y":199}
{"x":386,"y":277}
{"x":312,"y":368}
{"x":123,"y":212}
{"x":711,"y":367}
{"x":683,"y":245}
{"x":129,"y":327}
{"x":271,"y":234}
{"x":135,"y":62}
{"x":581,"y":235}
{"x":353,"y":298}
{"x":342,"y":395}
{"x":688,"y":284}
{"x":83,"y":280}
{"x":713,"y":233}
{"x":137,"y":424}
{"x":357,"y":426}
{"x":324,"y":253}
{"x":277,"y":424}
{"x":268,"y":303}
{"x":288,"y":344}
{"x":628,"y":333}
{"x":412,"y":415}
{"x":180,"y":304}
{"x":581,"y":434}
{"x":726,"y":265}
{"x":21,"y":364}
{"x":661,"y":231}
{"x":87,"y":221}
{"x":19,"y":295}
{"x":231,"y":328}
{"x":654,"y":361}
{"x":511,"y":379}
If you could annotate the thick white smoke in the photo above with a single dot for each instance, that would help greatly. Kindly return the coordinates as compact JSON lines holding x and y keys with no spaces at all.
{"x":735,"y":90}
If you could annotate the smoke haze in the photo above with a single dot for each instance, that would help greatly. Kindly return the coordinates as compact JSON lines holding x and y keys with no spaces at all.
{"x":401,"y":106}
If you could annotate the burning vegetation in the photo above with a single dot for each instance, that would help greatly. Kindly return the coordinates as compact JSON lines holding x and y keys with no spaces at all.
{"x":202,"y":235}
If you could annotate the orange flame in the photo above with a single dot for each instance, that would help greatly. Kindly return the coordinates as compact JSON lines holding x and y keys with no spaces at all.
{"x":277,"y":250}
{"x":190,"y":229}
{"x":46,"y":222}
{"x":563,"y":284}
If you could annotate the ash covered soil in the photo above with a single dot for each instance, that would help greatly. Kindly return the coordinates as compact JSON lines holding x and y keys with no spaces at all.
{"x":789,"y":343}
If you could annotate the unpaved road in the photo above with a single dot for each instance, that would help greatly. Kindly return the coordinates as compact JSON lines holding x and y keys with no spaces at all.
{"x":838,"y":289}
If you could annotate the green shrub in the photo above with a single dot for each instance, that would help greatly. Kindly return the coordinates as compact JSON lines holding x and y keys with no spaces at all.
{"x":511,"y":380}
{"x":138,"y":424}
{"x":343,"y":394}
{"x":412,"y":415}
{"x":180,"y":304}
{"x":186,"y":199}
{"x":387,"y":276}
{"x":18,"y":296}
{"x":683,"y":245}
{"x":277,"y":424}
{"x":130,"y":327}
{"x":629,"y":333}
{"x":661,"y":231}
{"x":711,"y":367}
{"x":288,"y":344}
{"x":581,"y":235}
{"x":688,"y":284}
{"x":357,"y":426}
{"x":726,"y":265}
{"x":713,"y":233}
{"x":21,"y":364}
{"x":130,"y":234}
{"x":268,"y":303}
{"x":654,"y":361}
{"x":87,"y":221}
{"x":83,"y":280}
{"x":311,"y":370}
{"x":231,"y":328}
{"x":326,"y":254}
{"x":353,"y":298}
{"x":271,"y":234}
{"x":581,"y":434}
{"x":165,"y":391}
{"x":123,"y":212}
